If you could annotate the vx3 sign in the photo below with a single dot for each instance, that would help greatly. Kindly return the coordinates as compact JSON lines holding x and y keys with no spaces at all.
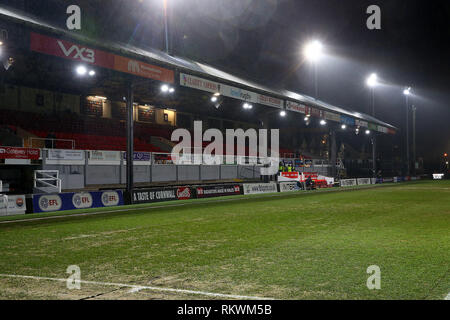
{"x":83,"y":54}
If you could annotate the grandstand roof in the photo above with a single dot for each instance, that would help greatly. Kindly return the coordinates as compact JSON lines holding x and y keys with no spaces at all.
{"x":189,"y":66}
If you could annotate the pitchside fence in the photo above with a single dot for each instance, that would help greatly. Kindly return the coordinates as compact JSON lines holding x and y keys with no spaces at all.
{"x":79,"y":169}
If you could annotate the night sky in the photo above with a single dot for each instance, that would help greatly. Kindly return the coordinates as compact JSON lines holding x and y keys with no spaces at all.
{"x":262,"y":40}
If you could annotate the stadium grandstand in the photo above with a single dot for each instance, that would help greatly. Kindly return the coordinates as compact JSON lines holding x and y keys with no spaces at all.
{"x":69,"y":106}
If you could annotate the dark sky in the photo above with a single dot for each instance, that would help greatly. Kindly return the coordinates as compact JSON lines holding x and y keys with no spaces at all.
{"x":262,"y":40}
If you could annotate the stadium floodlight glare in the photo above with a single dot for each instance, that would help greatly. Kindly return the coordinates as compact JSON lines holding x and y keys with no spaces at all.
{"x":343,"y":127}
{"x":407,"y":91}
{"x":171,"y":90}
{"x":323,"y":122}
{"x":214,"y":99}
{"x":92,"y":73}
{"x":164,"y":88}
{"x":283,"y":113}
{"x":247,"y":106}
{"x":372,"y":80}
{"x":367,"y":132}
{"x":1,"y":43}
{"x":313,"y":51}
{"x":81,"y":70}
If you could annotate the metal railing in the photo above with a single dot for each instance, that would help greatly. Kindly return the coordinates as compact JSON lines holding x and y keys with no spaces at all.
{"x":160,"y":158}
{"x":47,"y":181}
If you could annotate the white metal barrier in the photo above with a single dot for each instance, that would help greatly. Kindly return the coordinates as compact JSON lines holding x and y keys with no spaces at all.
{"x":47,"y":181}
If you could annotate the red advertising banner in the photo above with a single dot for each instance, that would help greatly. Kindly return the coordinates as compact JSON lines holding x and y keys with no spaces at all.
{"x":19,"y":153}
{"x":81,"y":53}
{"x":290,"y":175}
{"x":69,"y":50}
{"x":142,"y":69}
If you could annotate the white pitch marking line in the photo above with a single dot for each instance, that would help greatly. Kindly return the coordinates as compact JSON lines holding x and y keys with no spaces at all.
{"x":447,"y":297}
{"x":137,"y":288}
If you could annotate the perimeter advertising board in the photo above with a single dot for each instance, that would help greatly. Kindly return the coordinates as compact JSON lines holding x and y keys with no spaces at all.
{"x":289,"y":186}
{"x":163,"y":194}
{"x":12,"y":205}
{"x":80,"y":200}
{"x":20,"y":153}
{"x":258,"y":188}
{"x":348,"y":182}
{"x":217,"y":191}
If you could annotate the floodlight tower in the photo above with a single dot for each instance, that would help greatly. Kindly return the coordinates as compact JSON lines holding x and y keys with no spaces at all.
{"x":407,"y":93}
{"x":313,"y":52}
{"x":372,"y":82}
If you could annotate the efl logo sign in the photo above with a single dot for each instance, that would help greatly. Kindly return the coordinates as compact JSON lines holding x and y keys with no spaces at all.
{"x":110,"y":198}
{"x":82,"y":200}
{"x":50,"y":203}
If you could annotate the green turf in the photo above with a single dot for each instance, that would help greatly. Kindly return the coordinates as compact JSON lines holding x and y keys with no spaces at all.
{"x":298,"y":246}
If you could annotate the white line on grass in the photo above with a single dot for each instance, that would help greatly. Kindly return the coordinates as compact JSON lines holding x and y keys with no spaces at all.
{"x":179,"y":205}
{"x":447,"y":297}
{"x":137,"y":288}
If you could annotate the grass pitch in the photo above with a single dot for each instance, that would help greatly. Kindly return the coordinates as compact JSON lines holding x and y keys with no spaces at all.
{"x":292,"y":246}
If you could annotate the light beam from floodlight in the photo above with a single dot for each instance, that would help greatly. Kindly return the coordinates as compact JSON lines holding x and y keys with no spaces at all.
{"x":372,"y":80}
{"x":407,"y":91}
{"x":313,"y":51}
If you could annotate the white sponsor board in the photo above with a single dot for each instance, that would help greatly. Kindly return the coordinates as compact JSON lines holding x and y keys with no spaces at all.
{"x":373,"y":180}
{"x":270,"y":101}
{"x":63,"y":156}
{"x":12,"y":205}
{"x":257,"y":188}
{"x":237,"y":93}
{"x":362,"y":123}
{"x":104,"y":157}
{"x":382,"y":129}
{"x":295,"y":107}
{"x":438,"y":176}
{"x":228,"y":91}
{"x":348,"y":183}
{"x":199,"y":83}
{"x":288,"y":186}
{"x":364,"y":181}
{"x":332,"y":116}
